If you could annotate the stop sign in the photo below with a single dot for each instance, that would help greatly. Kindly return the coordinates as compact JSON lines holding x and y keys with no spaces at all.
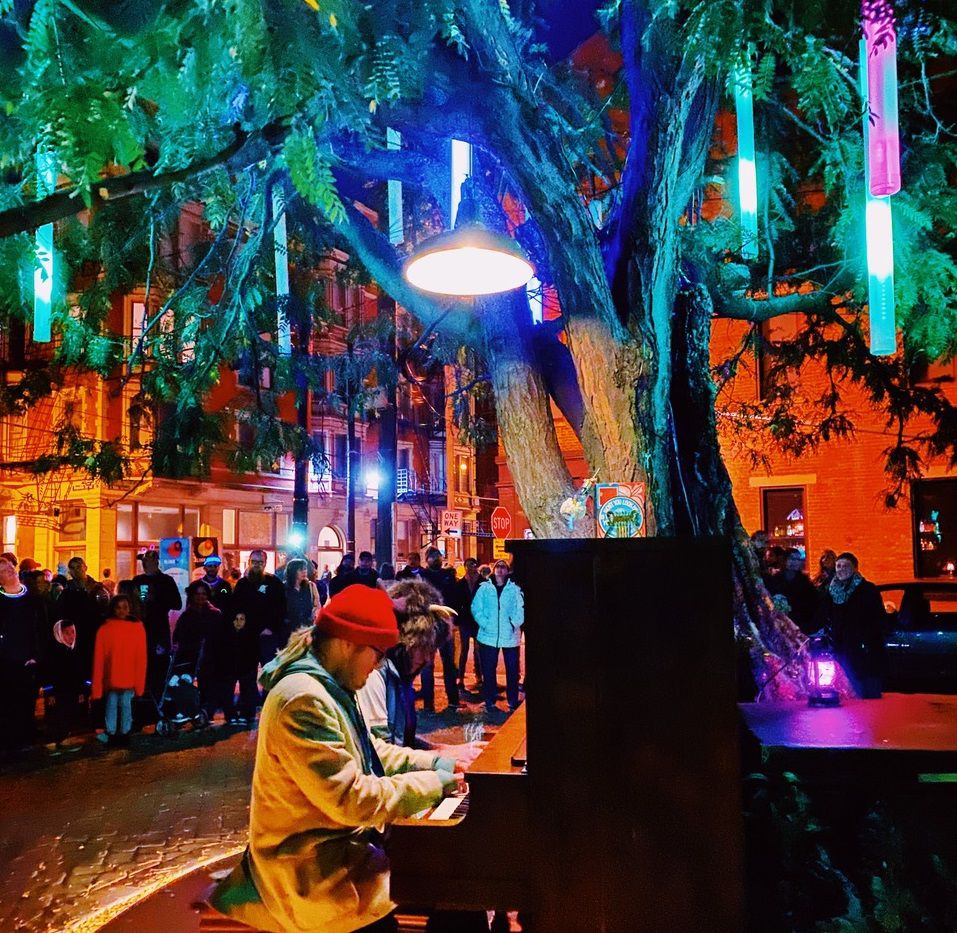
{"x":501,"y":522}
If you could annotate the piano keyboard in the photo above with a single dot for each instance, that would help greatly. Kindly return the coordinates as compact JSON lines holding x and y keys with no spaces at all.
{"x":451,"y":808}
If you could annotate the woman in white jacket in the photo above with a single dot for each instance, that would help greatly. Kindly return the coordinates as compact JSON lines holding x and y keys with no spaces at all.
{"x":499,"y":610}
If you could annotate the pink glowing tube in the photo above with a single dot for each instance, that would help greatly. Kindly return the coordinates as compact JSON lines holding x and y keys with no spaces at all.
{"x":883,"y":152}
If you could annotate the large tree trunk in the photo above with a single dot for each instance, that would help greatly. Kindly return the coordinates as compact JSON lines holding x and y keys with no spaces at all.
{"x":608,"y":361}
{"x":524,"y":416}
{"x":705,"y":504}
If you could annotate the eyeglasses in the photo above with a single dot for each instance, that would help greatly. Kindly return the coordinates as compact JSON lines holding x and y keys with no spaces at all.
{"x":379,"y":654}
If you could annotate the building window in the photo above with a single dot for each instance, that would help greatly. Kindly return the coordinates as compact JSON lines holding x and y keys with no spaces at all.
{"x":158,"y":521}
{"x":140,"y":526}
{"x":141,"y":422}
{"x":784,"y":517}
{"x":256,"y":529}
{"x":9,"y":533}
{"x":463,"y":481}
{"x":124,"y":522}
{"x":340,"y":462}
{"x":229,"y":526}
{"x":13,"y":343}
{"x":935,"y":527}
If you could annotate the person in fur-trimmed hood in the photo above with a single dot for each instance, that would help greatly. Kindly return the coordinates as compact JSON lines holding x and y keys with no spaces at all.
{"x":387,"y":700}
{"x":323,"y":789}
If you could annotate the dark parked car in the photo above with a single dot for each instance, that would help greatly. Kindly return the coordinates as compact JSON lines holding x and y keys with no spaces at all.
{"x":921,"y":635}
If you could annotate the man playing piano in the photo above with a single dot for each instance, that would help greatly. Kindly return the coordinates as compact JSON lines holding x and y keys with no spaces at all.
{"x":323,"y":789}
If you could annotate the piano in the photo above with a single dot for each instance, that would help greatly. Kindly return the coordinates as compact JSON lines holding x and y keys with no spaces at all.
{"x":476,"y":877}
{"x":628,"y":820}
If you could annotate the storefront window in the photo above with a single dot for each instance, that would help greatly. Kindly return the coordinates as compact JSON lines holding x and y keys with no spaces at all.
{"x":126,"y":567}
{"x":229,"y":526}
{"x":935,"y":520}
{"x":124,"y":522}
{"x":256,"y":529}
{"x":190,"y":522}
{"x":784,"y":517}
{"x":157,"y":521}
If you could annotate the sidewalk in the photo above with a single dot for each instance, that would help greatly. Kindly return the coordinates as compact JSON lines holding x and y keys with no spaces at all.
{"x":82,"y":836}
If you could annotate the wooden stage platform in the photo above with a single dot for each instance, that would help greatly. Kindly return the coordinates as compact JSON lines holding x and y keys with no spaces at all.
{"x":902,"y":736}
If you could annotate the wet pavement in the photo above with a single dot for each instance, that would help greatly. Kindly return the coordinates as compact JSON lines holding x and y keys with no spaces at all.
{"x":83,"y":836}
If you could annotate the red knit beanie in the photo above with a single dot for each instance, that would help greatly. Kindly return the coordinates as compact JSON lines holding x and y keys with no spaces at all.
{"x":362,"y":615}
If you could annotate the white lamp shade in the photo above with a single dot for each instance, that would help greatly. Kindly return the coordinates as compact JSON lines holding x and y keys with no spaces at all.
{"x":469,"y":260}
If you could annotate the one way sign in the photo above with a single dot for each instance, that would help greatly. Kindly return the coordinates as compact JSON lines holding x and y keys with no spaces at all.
{"x":452,"y":522}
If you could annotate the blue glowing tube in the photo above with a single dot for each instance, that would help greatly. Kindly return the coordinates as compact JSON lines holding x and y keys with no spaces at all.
{"x":43,"y":269}
{"x":747,"y":167}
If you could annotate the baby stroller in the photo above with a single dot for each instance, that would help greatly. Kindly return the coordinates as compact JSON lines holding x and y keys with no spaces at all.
{"x":180,"y":705}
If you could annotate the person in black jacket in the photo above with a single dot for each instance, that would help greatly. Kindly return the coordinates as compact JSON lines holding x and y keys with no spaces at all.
{"x":84,"y":601}
{"x":343,"y":575}
{"x":220,"y":591}
{"x":796,"y":587}
{"x":21,"y":622}
{"x":853,"y":611}
{"x":189,"y":636}
{"x":261,"y":598}
{"x":159,"y":595}
{"x":468,"y":629}
{"x":230,"y":654}
{"x":443,"y":579}
{"x":63,"y":670}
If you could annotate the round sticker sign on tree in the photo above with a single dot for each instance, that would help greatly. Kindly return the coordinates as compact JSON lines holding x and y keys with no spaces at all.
{"x":501,"y":522}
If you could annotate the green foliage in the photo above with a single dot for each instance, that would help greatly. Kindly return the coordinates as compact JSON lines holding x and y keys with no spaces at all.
{"x":867,"y":860}
{"x":311,"y":175}
{"x":115,"y":88}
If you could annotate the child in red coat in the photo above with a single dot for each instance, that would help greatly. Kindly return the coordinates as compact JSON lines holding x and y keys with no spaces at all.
{"x":119,"y":668}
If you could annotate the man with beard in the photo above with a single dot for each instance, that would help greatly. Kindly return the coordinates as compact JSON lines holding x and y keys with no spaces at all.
{"x":323,"y":789}
{"x":261,"y":598}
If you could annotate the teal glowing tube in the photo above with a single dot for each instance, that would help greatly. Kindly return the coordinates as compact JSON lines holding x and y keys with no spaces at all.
{"x":281,"y":257}
{"x":43,"y":268}
{"x":879,"y":231}
{"x":747,"y":168}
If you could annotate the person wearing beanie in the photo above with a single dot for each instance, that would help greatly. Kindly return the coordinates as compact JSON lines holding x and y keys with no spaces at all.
{"x":323,"y":788}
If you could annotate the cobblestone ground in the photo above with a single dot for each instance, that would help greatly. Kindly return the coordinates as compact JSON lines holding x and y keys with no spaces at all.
{"x":83,"y":833}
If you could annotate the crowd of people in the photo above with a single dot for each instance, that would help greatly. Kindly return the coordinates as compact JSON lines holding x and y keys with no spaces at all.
{"x":838,"y":603}
{"x":90,"y":647}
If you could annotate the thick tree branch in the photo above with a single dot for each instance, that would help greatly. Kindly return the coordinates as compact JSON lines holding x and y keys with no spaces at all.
{"x":243,"y":151}
{"x":379,"y":257}
{"x":405,"y":165}
{"x":737,"y":305}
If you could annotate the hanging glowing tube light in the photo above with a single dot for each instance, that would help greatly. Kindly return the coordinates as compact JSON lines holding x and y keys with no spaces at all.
{"x":43,"y":268}
{"x":281,"y":256}
{"x":747,"y":166}
{"x":879,"y":232}
{"x":883,"y":148}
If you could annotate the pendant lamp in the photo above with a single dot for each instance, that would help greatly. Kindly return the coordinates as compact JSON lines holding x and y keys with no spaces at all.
{"x":469,"y":260}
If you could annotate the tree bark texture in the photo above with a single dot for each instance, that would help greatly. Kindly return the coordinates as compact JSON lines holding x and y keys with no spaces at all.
{"x":524,"y":415}
{"x":704,"y":503}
